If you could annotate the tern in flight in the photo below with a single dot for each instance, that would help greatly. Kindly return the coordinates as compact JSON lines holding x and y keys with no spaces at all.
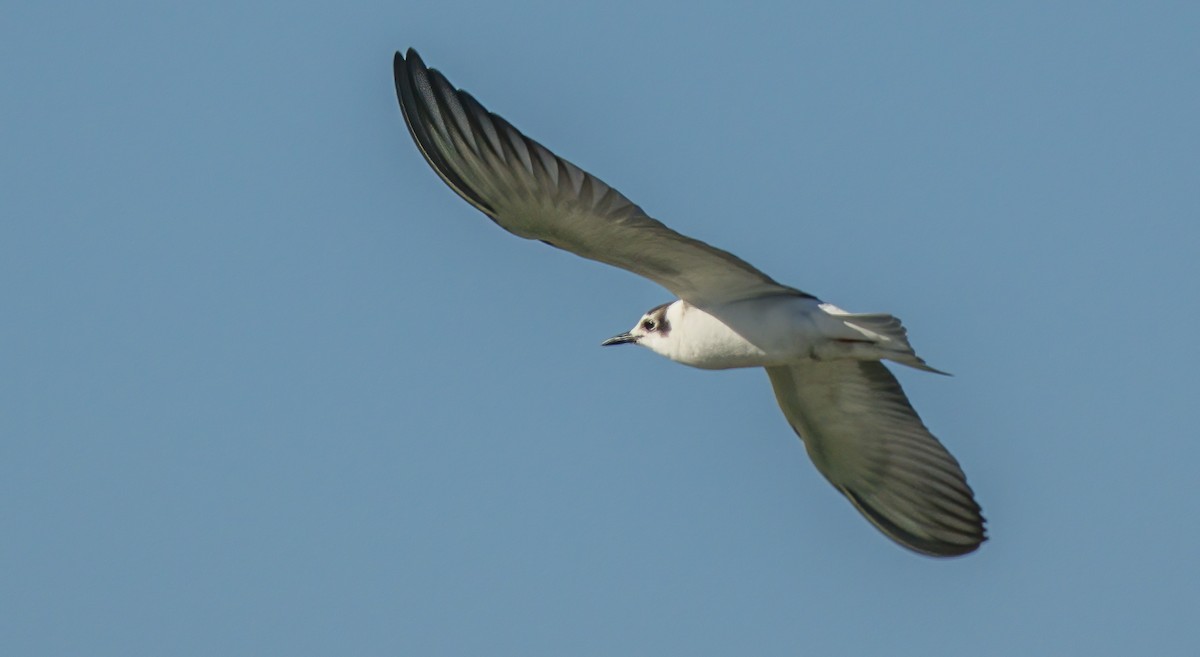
{"x":823,"y":362}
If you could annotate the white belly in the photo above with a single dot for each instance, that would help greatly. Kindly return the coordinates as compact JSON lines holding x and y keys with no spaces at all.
{"x":752,"y":333}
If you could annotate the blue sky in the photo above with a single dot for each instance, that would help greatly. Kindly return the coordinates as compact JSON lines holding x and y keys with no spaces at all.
{"x":270,"y":388}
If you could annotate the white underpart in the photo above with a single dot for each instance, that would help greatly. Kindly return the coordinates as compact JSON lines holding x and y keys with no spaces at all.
{"x":776,"y":330}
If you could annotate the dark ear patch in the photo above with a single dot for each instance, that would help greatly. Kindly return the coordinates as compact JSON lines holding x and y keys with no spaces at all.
{"x":659,"y":315}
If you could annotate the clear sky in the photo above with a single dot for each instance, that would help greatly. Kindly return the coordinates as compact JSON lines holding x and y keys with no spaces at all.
{"x":268,"y":387}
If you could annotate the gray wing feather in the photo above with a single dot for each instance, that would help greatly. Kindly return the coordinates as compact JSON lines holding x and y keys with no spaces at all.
{"x":532,"y":193}
{"x":864,"y":436}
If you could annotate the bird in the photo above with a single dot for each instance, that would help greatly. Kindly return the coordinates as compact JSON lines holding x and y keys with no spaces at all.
{"x":825,"y":364}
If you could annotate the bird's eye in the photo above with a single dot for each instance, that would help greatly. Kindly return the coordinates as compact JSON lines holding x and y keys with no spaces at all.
{"x":649,"y":325}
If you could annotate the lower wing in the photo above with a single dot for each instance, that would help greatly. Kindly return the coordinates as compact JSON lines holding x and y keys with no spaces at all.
{"x":864,"y":436}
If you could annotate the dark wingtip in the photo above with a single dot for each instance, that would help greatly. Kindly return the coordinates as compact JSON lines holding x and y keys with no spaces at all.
{"x":411,"y":56}
{"x":401,"y":65}
{"x":428,"y":103}
{"x":919,"y":544}
{"x":400,"y":73}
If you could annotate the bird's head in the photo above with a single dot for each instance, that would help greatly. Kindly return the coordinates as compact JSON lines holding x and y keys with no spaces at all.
{"x":651,"y":331}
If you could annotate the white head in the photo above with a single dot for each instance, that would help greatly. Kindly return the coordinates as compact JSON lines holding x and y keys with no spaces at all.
{"x":652,"y":331}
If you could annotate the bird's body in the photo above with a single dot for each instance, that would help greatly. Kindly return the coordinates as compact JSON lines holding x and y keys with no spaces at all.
{"x":766,"y":332}
{"x":776,"y":330}
{"x":823,"y":362}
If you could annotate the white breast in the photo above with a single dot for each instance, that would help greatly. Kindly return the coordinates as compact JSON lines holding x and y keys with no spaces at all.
{"x":752,"y":333}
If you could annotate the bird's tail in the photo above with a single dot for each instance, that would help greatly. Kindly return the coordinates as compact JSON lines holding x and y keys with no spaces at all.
{"x":886,"y":333}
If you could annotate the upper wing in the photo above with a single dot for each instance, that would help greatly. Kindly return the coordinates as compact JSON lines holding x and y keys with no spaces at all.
{"x":867,"y":440}
{"x":535,"y":194}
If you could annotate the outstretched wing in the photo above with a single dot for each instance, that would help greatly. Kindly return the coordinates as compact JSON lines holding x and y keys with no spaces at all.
{"x":864,"y":436}
{"x":533,"y":193}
